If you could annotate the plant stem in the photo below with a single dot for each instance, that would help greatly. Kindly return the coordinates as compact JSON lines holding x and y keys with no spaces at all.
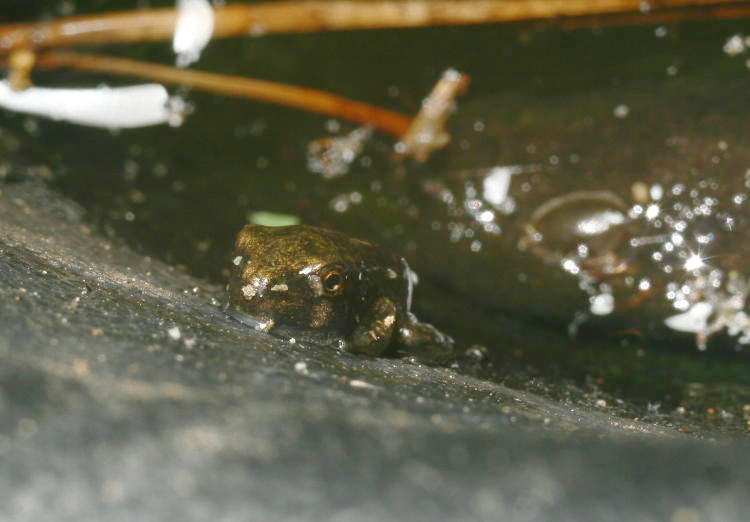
{"x":241,"y":19}
{"x":387,"y":121}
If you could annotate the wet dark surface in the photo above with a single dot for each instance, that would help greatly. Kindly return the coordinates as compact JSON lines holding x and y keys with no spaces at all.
{"x":124,"y":396}
{"x":120,"y":380}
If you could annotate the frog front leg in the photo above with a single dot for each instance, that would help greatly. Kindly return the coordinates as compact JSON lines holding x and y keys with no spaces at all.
{"x":375,"y":330}
{"x":425,"y":343}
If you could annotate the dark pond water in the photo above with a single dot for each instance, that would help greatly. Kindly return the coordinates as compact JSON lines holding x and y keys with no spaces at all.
{"x":584,"y":110}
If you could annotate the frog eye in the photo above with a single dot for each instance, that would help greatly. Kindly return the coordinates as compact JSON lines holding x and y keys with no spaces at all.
{"x":333,"y":281}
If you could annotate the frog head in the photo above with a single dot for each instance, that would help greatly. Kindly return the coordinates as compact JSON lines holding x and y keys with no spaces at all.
{"x":318,"y":281}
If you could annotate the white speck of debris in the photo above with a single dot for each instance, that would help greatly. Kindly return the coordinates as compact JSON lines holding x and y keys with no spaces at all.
{"x":621,"y":111}
{"x":292,"y":340}
{"x":389,"y":320}
{"x":656,"y":192}
{"x":412,"y":279}
{"x":601,"y":403}
{"x":249,"y":291}
{"x":316,"y":285}
{"x":496,"y":184}
{"x":265,"y":326}
{"x":190,"y":343}
{"x":301,"y":367}
{"x":174,"y":333}
{"x":107,"y":107}
{"x":734,"y":45}
{"x":193,"y":30}
{"x":279,"y":288}
{"x":602,"y":304}
{"x":391,"y":274}
{"x":237,"y":260}
{"x":356,"y":383}
{"x":695,"y":320}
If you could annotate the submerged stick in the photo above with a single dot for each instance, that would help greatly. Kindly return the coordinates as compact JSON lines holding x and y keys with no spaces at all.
{"x":240,"y":19}
{"x":305,"y":98}
{"x":427,"y":131}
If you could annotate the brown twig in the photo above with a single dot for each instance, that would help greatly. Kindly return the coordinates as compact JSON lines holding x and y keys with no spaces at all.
{"x":427,"y":132}
{"x":729,"y":11}
{"x":387,"y":121}
{"x":240,"y":19}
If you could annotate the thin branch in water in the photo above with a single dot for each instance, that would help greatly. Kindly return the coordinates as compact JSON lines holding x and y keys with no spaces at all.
{"x":20,"y":64}
{"x":390,"y":122}
{"x":241,"y":19}
{"x":427,"y":132}
{"x":723,"y":11}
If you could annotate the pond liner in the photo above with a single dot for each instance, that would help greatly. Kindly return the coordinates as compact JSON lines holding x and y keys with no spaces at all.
{"x":127,"y":394}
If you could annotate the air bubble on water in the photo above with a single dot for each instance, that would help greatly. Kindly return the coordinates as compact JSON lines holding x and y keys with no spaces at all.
{"x":652,"y":211}
{"x":570,"y":266}
{"x":602,"y":304}
{"x":486,"y":216}
{"x":694,"y":262}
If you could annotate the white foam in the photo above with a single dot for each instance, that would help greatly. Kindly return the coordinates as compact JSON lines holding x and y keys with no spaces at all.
{"x":694,"y":320}
{"x":497,"y":183}
{"x":193,"y":30}
{"x":107,"y":107}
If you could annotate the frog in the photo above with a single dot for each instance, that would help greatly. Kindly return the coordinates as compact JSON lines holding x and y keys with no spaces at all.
{"x":331,"y":289}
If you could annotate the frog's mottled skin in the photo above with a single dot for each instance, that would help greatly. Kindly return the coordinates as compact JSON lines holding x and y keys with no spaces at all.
{"x":330,"y":287}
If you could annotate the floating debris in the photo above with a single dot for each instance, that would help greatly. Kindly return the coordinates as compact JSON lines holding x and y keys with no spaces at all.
{"x":332,"y":157}
{"x":193,"y":30}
